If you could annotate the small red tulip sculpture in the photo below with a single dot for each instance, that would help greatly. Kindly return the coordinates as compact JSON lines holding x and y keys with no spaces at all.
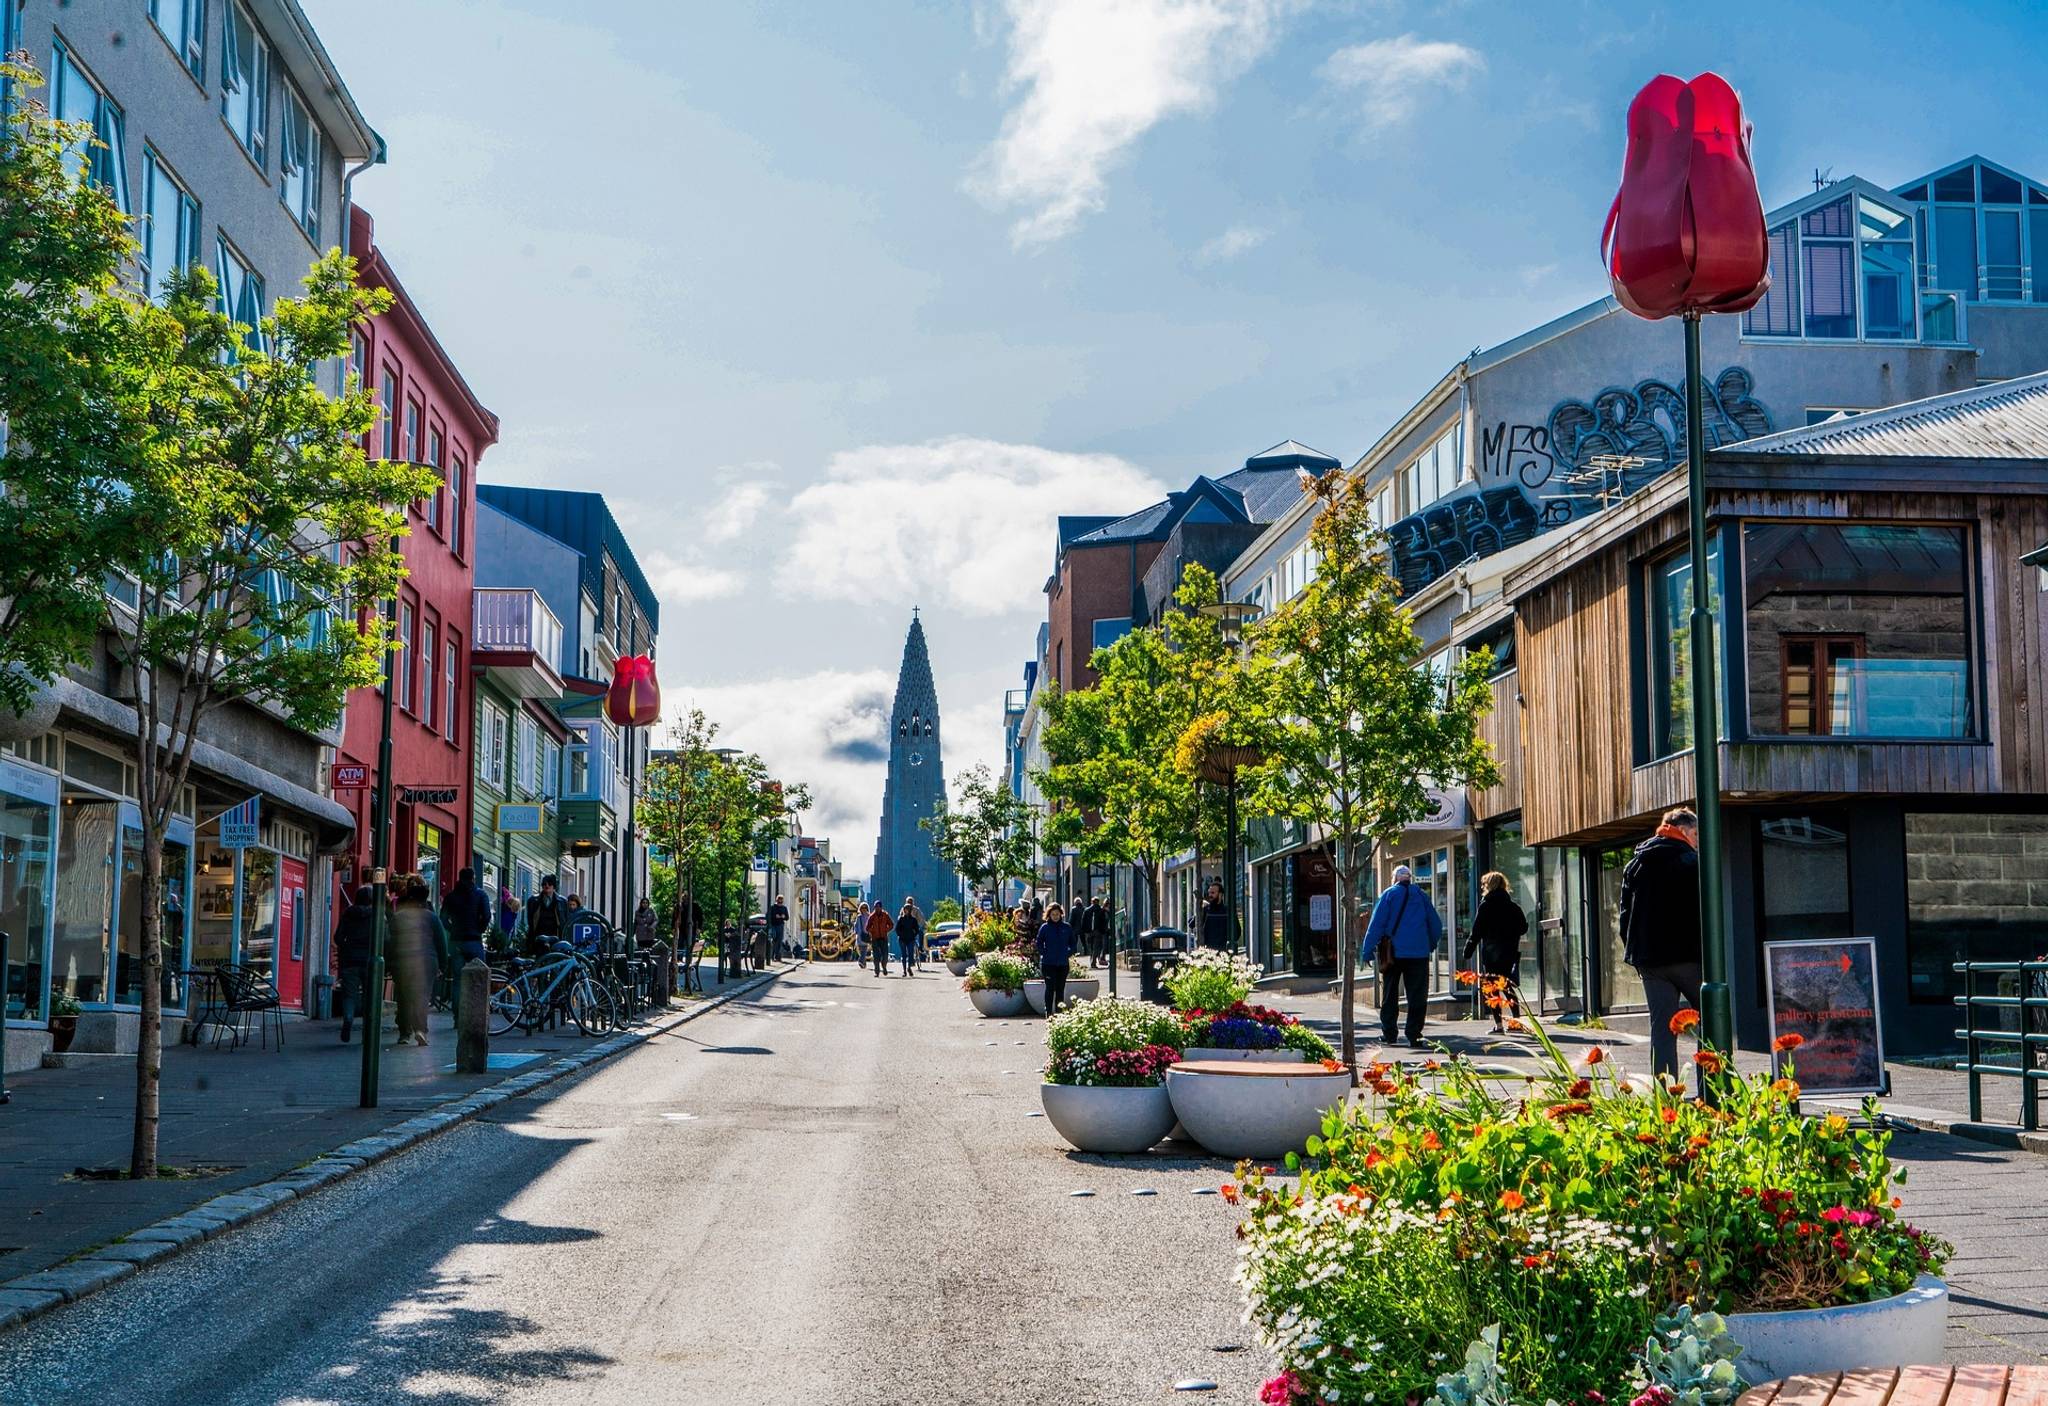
{"x":634,"y":699}
{"x":1685,"y":235}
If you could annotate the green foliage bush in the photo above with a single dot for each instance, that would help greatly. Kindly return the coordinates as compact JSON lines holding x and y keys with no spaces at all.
{"x":960,"y":949}
{"x":997,"y":971}
{"x":1207,"y":980}
{"x":1087,"y":1030}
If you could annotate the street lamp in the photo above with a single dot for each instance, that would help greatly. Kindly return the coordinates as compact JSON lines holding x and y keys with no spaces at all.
{"x":1222,"y":763}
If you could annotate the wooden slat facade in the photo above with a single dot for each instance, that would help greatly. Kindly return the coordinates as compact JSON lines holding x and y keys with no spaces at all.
{"x":1576,"y":753}
{"x":1502,"y":730}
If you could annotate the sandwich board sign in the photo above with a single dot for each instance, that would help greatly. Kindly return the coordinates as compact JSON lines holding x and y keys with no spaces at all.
{"x":1825,"y":992}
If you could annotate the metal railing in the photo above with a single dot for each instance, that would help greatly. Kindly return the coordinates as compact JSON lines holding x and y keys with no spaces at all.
{"x":2020,"y":1006}
{"x":509,"y":619}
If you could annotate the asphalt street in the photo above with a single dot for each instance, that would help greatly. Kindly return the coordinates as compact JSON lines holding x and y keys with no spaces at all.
{"x":828,"y":1192}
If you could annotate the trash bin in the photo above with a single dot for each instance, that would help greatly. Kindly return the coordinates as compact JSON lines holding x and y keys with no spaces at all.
{"x":1159,"y":951}
{"x":323,"y":997}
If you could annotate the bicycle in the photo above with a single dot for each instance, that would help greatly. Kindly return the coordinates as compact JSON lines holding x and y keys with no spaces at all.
{"x":556,"y":985}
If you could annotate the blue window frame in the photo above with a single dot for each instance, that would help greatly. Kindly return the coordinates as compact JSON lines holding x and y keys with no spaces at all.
{"x":170,"y":226}
{"x":245,"y":80}
{"x":183,"y":26}
{"x":1109,"y":631}
{"x":102,"y":157}
{"x":1985,"y":236}
{"x":240,"y":295}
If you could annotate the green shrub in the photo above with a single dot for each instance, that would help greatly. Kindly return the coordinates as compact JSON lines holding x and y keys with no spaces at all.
{"x":1081,"y":1034}
{"x":960,"y":949}
{"x":1207,"y":980}
{"x":1301,"y":1037}
{"x":997,"y":971}
{"x":1569,"y":1216}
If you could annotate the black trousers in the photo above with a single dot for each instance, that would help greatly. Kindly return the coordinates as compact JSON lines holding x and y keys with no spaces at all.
{"x":352,"y":979}
{"x":1055,"y":985}
{"x":908,"y":951}
{"x":878,"y":953}
{"x":1409,"y":976}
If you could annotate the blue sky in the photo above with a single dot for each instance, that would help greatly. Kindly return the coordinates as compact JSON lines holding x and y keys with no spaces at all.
{"x":840,"y":304}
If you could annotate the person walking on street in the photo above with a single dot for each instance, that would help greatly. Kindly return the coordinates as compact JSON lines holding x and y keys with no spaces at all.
{"x":860,"y":934}
{"x":879,"y":926}
{"x":1497,"y":930}
{"x":546,"y":920}
{"x":778,"y":926}
{"x":416,"y":934}
{"x":1024,"y":922}
{"x":466,"y":917}
{"x":1215,"y":918}
{"x":353,"y":937}
{"x":1055,"y":955}
{"x":1095,"y":931}
{"x":1405,"y":930}
{"x":646,"y":925}
{"x":1660,"y":927}
{"x":509,"y":912}
{"x":909,"y":933}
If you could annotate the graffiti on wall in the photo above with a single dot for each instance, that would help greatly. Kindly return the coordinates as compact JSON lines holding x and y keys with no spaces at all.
{"x":1533,"y":477}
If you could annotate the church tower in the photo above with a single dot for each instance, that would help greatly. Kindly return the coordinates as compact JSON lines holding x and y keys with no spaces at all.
{"x":904,"y":863}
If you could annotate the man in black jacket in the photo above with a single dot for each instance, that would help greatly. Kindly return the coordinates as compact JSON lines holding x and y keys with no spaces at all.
{"x":1094,"y":928}
{"x":353,"y":937}
{"x":1660,"y":926}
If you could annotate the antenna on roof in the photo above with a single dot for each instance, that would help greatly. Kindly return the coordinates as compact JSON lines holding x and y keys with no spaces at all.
{"x":1823,"y":179}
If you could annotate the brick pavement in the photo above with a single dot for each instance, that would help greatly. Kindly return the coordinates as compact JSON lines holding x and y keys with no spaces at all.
{"x":252,"y":1113}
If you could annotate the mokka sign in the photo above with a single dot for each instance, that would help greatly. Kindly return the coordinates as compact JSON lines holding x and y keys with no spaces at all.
{"x":428,"y":795}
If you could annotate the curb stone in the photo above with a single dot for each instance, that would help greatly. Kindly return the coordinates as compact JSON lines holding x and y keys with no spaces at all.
{"x":34,"y":1295}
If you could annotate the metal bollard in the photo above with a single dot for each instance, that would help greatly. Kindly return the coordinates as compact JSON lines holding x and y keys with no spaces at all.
{"x":473,"y":1018}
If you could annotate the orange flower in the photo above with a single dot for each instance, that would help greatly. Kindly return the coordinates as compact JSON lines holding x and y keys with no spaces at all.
{"x":1580,"y":1088}
{"x":1494,"y":1003}
{"x":1431,"y":1065}
{"x":1785,"y":1044}
{"x":1699,"y":1140}
{"x":1512,"y":1201}
{"x":1710,"y":1061}
{"x":1595,"y":1055}
{"x":1494,"y":985}
{"x":1383,"y":1086}
{"x":1684,"y":1020}
{"x":1516,"y":1025}
{"x":1647,"y":1137}
{"x":1373,"y":1158}
{"x":1671,"y":1115}
{"x":1575,"y":1108}
{"x":1467,"y":978}
{"x":1228,"y":1191}
{"x":1332,"y":1066}
{"x":1788,"y":1087}
{"x":1431,"y":1142}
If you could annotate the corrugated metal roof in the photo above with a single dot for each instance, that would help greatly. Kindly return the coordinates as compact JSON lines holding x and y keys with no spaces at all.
{"x":2003,"y":420}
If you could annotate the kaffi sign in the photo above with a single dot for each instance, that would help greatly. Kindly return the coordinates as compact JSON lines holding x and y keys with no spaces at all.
{"x":518,"y":819}
{"x":242,"y":826}
{"x":1825,"y":992}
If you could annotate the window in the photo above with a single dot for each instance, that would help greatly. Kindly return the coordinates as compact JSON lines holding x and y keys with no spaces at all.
{"x":102,"y":158}
{"x":1857,"y":630}
{"x":430,"y":654}
{"x":183,"y":24}
{"x":1986,"y":233}
{"x":490,"y":751}
{"x":453,"y":690}
{"x":458,"y":475}
{"x":409,"y":648}
{"x":1670,"y":592}
{"x":551,"y":768}
{"x":1501,"y":640}
{"x":409,"y":447}
{"x":1967,"y":897}
{"x":298,"y":163}
{"x":526,"y":755}
{"x":244,"y":80}
{"x":1845,"y":270}
{"x":387,"y":410}
{"x":1108,"y":632}
{"x":433,"y":511}
{"x":1888,"y":294}
{"x":579,"y":764}
{"x":1828,"y":248}
{"x":170,"y":226}
{"x":240,"y":295}
{"x":1433,"y":473}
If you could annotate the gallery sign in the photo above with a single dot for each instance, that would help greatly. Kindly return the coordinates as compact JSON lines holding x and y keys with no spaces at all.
{"x":1825,"y":992}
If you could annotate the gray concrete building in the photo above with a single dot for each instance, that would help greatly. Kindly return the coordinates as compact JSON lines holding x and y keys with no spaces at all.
{"x":226,"y":132}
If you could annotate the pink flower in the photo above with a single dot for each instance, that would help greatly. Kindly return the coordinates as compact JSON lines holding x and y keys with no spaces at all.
{"x":1283,"y":1390}
{"x":1835,"y":1215}
{"x":1862,"y":1219}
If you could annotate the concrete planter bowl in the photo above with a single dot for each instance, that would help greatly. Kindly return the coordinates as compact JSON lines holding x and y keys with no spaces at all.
{"x":1253,"y":1108}
{"x":1108,"y":1120}
{"x":959,"y":966}
{"x":998,"y":1005}
{"x":1078,"y":989}
{"x":1211,"y":1054}
{"x":1894,"y":1332}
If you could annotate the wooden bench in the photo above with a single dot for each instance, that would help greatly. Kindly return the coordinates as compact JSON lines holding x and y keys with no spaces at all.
{"x":1985,"y":1385}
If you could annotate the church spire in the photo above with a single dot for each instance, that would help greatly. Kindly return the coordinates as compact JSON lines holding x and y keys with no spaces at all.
{"x":904,"y":863}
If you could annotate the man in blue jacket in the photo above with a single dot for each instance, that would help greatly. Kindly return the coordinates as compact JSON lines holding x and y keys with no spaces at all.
{"x":1407,"y":918}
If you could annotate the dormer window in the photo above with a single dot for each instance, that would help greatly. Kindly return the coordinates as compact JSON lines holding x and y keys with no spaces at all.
{"x":1984,"y":233}
{"x":1845,"y":270}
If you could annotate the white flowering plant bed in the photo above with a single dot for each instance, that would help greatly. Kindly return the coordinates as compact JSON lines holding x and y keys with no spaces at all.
{"x":1208,"y":980}
{"x":1565,"y":1213}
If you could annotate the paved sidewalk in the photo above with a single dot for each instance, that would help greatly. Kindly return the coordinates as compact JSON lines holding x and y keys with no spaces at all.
{"x":243,"y":1115}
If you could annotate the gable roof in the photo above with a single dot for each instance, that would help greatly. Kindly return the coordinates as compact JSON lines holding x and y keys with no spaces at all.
{"x":1152,"y":523}
{"x":1291,"y":451}
{"x":2004,"y":420}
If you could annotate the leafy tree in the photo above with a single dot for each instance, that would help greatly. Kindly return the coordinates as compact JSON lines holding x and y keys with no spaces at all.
{"x":985,"y":833}
{"x":1354,"y":726}
{"x":70,"y":398}
{"x":948,"y":910}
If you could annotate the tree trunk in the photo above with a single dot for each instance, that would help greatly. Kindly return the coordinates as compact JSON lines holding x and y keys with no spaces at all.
{"x":1346,"y":873}
{"x":149,"y":1047}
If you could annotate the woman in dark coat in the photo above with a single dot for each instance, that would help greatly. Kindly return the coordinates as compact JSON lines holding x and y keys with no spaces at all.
{"x":909,"y":934}
{"x":1497,"y":930}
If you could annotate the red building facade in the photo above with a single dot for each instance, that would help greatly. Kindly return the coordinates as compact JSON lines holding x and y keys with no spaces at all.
{"x":427,"y":414}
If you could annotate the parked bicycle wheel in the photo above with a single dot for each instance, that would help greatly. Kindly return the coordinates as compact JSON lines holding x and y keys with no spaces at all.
{"x":590,"y":1006}
{"x":508,"y":1006}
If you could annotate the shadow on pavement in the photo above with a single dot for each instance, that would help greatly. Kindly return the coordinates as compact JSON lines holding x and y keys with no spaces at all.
{"x":439,"y":1353}
{"x":501,"y":1230}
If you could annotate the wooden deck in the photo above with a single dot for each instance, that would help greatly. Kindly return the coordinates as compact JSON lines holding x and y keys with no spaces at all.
{"x":1986,"y":1385}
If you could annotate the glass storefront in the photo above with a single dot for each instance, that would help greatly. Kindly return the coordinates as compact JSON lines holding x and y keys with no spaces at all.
{"x":258,"y":925}
{"x":128,"y":954}
{"x":28,"y":813}
{"x":88,"y":832}
{"x":1507,"y":854}
{"x":1620,"y":988}
{"x":1563,"y":943}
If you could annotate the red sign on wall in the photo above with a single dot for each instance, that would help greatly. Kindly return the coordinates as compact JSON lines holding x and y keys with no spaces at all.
{"x":349,"y":776}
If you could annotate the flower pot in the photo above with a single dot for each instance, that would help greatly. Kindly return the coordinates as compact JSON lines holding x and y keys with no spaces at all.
{"x":1108,"y":1120}
{"x":1078,"y":989}
{"x":1253,"y":1108}
{"x":63,"y":1030}
{"x":1209,"y":1054}
{"x":959,"y":966}
{"x":1894,"y":1332}
{"x":1001,"y":1005}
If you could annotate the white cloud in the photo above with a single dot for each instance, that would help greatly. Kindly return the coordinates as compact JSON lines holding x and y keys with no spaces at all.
{"x":735,"y":512}
{"x":688,"y":579}
{"x":1238,"y":239}
{"x":965,"y":524}
{"x":1391,"y":76}
{"x":1095,"y":76}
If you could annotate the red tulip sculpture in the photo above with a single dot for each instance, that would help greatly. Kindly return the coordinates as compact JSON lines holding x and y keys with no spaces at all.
{"x":1685,"y":235}
{"x":634,"y":699}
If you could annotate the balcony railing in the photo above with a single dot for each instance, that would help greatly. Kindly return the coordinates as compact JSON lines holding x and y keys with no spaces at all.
{"x":512,"y":620}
